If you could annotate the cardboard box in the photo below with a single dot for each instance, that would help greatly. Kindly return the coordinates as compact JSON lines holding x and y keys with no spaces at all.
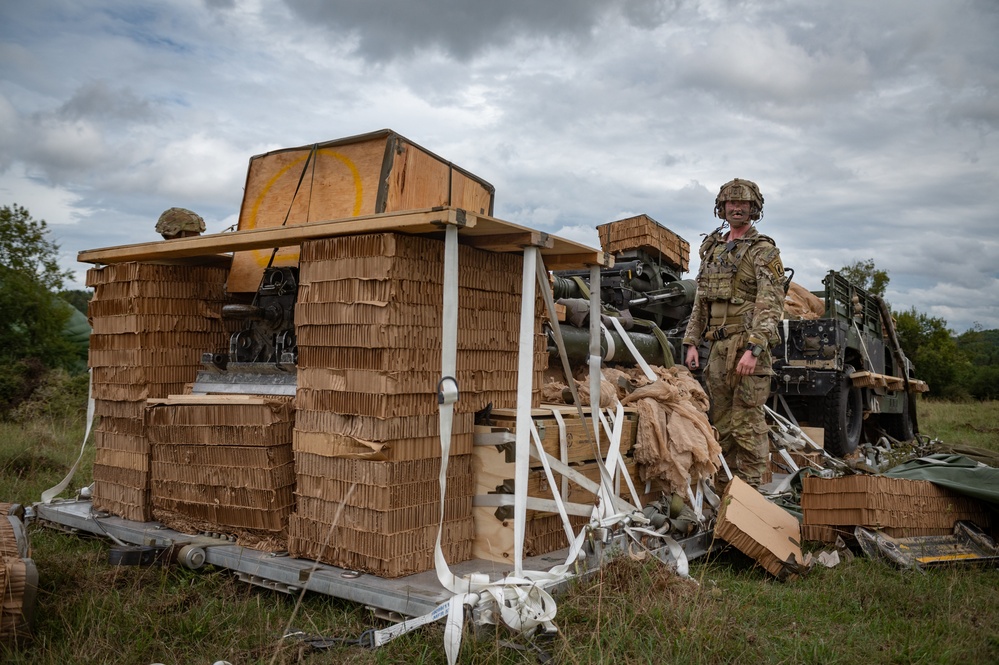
{"x":816,"y":434}
{"x":350,"y":177}
{"x":643,"y":232}
{"x":900,"y":507}
{"x":542,"y":534}
{"x":578,"y":434}
{"x":759,"y":529}
{"x":494,"y":472}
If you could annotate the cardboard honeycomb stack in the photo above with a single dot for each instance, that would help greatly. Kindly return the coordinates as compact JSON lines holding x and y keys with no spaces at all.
{"x":18,"y":577}
{"x":644,"y":233}
{"x":223,"y":463}
{"x":900,"y":507}
{"x":367,"y":449}
{"x":151,"y":323}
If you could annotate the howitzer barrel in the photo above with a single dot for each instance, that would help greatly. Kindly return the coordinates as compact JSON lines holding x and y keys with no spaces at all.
{"x":676,"y":294}
{"x":565,"y":287}
{"x":577,"y":346}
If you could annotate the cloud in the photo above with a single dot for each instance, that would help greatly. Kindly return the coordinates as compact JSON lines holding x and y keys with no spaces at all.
{"x":96,"y":100}
{"x":743,"y":63}
{"x":869,"y":126}
{"x":386,"y":30}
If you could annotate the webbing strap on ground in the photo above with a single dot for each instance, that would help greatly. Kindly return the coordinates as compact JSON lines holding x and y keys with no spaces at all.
{"x":53,"y":492}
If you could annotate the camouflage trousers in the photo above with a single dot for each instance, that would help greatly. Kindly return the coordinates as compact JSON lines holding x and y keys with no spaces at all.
{"x":737,"y":409}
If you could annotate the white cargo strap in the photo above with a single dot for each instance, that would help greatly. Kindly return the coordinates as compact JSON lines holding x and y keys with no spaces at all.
{"x":519,"y":607}
{"x":51,"y":493}
{"x":525,"y":384}
{"x":649,"y":374}
{"x":787,"y":341}
{"x":519,"y":601}
{"x":611,"y":347}
{"x":694,"y":504}
{"x":724,"y":464}
{"x":594,"y":360}
{"x":678,"y":558}
{"x":556,"y":494}
{"x":563,"y":450}
{"x":615,"y":460}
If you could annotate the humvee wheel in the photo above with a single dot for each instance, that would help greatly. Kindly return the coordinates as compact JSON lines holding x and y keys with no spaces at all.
{"x":843,"y":418}
{"x":899,"y":425}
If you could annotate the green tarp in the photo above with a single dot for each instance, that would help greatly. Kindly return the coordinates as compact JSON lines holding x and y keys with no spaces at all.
{"x":957,"y":472}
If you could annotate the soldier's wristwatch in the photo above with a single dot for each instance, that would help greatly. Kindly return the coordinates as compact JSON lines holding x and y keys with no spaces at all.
{"x":755,"y":349}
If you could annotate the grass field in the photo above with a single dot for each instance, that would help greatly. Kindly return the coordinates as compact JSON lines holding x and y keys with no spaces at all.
{"x":631,"y":612}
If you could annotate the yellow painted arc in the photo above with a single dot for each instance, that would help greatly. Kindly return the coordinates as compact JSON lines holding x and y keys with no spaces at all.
{"x":260,"y":256}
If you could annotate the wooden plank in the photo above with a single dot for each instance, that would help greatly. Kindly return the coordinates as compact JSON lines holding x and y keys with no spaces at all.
{"x":381,"y":172}
{"x":561,"y":254}
{"x":568,"y":261}
{"x":418,"y":221}
{"x":471,"y":195}
{"x":512,"y":242}
{"x":416,"y":180}
{"x":302,"y":186}
{"x":174,"y":400}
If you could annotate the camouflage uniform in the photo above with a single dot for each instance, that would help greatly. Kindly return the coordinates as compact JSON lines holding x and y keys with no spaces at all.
{"x":739,"y":301}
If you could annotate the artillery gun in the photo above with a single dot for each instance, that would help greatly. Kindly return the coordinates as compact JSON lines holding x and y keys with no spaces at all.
{"x":844,"y":372}
{"x":649,"y":298}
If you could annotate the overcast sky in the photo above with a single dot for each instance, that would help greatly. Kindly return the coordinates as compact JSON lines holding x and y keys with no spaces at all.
{"x":869,"y":126}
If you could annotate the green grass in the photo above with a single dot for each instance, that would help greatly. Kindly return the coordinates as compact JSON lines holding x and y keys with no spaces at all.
{"x":961,"y":423}
{"x":89,"y":611}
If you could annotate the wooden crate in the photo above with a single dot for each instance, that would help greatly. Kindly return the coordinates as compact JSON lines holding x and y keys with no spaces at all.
{"x":360,"y":175}
{"x":494,"y":470}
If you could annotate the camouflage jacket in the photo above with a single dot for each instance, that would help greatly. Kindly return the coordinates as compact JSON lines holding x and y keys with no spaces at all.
{"x":748,"y":275}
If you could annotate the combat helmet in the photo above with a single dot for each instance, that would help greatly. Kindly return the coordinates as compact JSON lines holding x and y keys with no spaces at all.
{"x":740,"y":190}
{"x":175,"y":221}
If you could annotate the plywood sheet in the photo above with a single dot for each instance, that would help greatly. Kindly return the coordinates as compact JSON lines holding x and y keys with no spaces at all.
{"x":346,"y":178}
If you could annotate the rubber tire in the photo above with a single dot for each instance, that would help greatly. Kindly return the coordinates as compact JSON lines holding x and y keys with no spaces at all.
{"x":843,"y":418}
{"x":899,"y":426}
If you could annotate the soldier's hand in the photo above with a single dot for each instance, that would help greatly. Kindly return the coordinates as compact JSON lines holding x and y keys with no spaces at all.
{"x":747,"y":364}
{"x":692,"y":360}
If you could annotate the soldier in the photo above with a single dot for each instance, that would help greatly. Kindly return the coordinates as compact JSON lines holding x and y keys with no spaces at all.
{"x":179,"y":223}
{"x":739,"y":302}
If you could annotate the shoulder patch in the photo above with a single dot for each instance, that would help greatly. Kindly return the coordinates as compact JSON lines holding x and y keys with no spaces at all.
{"x":777,"y":268}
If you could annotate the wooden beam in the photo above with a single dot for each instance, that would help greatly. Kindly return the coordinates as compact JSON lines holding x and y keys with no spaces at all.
{"x":510,"y":242}
{"x":418,"y":221}
{"x":570,"y":261}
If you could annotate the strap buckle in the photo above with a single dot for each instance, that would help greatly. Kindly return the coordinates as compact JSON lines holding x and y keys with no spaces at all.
{"x":721,"y":332}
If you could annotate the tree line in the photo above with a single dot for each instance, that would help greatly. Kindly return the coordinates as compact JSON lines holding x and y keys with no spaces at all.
{"x":956,"y":367}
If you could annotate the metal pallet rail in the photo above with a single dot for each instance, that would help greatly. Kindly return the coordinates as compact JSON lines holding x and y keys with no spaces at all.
{"x":411,"y":596}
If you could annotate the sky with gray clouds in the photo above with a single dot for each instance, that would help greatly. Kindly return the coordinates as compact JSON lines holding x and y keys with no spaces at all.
{"x":871,"y":127}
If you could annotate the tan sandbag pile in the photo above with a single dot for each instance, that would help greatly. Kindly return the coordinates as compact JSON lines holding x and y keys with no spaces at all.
{"x":675,"y":443}
{"x":800,"y":303}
